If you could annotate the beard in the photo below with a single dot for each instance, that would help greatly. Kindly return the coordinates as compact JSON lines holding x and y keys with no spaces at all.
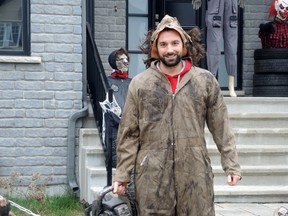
{"x":170,"y":62}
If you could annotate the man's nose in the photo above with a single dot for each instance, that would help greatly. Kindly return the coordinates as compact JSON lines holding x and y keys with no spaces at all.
{"x":169,"y":48}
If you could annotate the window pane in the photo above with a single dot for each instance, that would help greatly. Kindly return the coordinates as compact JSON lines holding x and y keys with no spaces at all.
{"x":138,"y":27}
{"x":138,"y":7}
{"x":136,"y":64}
{"x":11,"y":25}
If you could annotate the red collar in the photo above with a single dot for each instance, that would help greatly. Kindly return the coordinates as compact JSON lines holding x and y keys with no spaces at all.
{"x":174,"y":79}
{"x":120,"y":74}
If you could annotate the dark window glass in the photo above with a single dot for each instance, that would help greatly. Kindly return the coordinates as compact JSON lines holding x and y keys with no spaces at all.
{"x":14,"y":21}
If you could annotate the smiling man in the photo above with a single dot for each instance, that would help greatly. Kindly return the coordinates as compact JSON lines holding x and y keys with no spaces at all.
{"x":161,"y":133}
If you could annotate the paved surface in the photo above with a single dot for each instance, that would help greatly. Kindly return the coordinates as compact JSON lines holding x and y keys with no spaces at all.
{"x":248,"y":209}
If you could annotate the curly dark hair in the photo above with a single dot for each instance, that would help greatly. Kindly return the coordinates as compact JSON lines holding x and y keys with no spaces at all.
{"x":195,"y":49}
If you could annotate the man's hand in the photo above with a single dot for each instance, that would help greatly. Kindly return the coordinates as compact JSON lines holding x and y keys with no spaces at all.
{"x":242,"y":3}
{"x":197,"y":4}
{"x":119,"y":187}
{"x":232,"y":180}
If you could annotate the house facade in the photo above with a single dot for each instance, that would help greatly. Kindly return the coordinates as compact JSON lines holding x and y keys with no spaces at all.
{"x":43,"y":71}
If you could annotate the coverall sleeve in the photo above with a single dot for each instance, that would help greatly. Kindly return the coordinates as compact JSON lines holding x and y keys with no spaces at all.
{"x":127,"y":138}
{"x":219,"y":126}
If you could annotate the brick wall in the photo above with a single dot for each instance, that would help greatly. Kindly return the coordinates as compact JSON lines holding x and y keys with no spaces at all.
{"x":255,"y":13}
{"x":37,"y":99}
{"x":110,"y":28}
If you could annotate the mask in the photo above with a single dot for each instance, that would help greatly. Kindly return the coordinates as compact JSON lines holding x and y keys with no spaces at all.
{"x":281,"y":7}
{"x":122,"y":62}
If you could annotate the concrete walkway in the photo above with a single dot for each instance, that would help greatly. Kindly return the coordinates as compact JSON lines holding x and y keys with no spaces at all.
{"x":248,"y":209}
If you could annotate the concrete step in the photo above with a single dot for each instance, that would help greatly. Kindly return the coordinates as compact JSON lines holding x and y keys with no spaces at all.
{"x":89,"y":137}
{"x":94,"y":156}
{"x":256,"y":136}
{"x":256,"y":175}
{"x":266,"y":155}
{"x":259,"y":120}
{"x":257,"y":104}
{"x":259,"y":194}
{"x":96,"y":178}
{"x":90,"y":153}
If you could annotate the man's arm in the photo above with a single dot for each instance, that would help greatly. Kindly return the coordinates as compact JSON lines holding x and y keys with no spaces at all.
{"x":223,"y":135}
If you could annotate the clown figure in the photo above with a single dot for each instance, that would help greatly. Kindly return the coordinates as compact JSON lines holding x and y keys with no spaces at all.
{"x":274,"y":34}
{"x":221,"y":21}
{"x":279,"y":9}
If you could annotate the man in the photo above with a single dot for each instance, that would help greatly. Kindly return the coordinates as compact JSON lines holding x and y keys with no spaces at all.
{"x":221,"y":20}
{"x":161,"y":132}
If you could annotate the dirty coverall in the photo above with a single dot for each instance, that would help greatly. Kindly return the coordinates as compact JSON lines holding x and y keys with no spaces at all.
{"x":221,"y":21}
{"x":162,"y":136}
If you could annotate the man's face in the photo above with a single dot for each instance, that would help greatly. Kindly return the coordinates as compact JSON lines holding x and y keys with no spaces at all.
{"x":170,"y":48}
{"x":122,"y":62}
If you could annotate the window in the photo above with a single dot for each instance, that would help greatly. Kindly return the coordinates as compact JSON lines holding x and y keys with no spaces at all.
{"x":14,"y":22}
{"x":137,"y":28}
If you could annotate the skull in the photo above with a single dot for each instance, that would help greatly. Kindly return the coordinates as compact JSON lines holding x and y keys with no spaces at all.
{"x":281,"y":7}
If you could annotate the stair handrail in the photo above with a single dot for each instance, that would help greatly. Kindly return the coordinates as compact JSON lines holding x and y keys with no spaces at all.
{"x":98,"y":88}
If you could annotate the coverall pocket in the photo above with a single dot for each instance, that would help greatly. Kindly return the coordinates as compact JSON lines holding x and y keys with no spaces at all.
{"x":234,"y":6}
{"x":216,"y":23}
{"x":233,"y":22}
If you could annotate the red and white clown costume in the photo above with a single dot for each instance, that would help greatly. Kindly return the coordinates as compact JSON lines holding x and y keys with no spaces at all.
{"x":275,"y":34}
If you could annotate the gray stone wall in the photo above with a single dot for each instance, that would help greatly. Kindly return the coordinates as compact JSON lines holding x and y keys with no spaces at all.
{"x":255,"y":13}
{"x":37,"y":99}
{"x":110,"y":28}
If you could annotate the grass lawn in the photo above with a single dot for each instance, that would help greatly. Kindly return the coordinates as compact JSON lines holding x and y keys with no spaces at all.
{"x":67,"y":205}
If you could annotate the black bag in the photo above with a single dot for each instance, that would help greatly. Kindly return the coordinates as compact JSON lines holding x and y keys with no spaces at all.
{"x":109,"y":204}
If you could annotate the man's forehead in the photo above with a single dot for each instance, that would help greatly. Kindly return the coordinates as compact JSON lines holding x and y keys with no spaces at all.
{"x":163,"y":35}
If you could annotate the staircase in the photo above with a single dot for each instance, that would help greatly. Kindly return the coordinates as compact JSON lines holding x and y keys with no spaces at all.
{"x":261,"y":130}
